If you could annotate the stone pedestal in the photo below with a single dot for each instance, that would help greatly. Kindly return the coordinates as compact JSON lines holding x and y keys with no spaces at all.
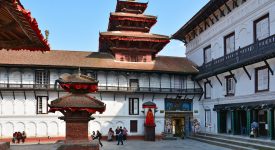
{"x":150,"y":134}
{"x":78,"y":145}
{"x":4,"y":145}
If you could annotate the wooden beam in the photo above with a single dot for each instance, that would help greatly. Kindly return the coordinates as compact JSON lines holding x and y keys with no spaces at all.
{"x":8,"y":27}
{"x":216,"y":17}
{"x":17,"y":43}
{"x":247,"y":73}
{"x":13,"y":95}
{"x":219,"y":80}
{"x":206,"y":23}
{"x":235,"y":3}
{"x":1,"y":95}
{"x":209,"y":82}
{"x":222,"y":12}
{"x":25,"y":95}
{"x":268,"y":66}
{"x":212,"y":21}
{"x":228,"y":8}
{"x":233,"y":76}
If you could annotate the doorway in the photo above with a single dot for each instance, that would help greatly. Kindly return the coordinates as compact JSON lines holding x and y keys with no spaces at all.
{"x":262,"y":116}
{"x":178,"y":127}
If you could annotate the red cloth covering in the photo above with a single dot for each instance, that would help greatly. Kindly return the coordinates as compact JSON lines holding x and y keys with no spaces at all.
{"x":73,"y":87}
{"x":90,"y":110}
{"x":135,"y":39}
{"x":150,"y":121}
{"x":34,"y":25}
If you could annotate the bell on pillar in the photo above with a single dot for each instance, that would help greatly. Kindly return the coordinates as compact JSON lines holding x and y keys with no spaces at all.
{"x":149,"y":110}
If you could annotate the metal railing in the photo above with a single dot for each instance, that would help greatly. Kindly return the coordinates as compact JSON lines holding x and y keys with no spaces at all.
{"x":11,"y":86}
{"x":257,"y":50}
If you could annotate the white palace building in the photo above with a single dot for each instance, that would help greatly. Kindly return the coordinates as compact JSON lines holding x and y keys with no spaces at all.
{"x":225,"y":81}
{"x":126,"y":66}
{"x":233,"y":43}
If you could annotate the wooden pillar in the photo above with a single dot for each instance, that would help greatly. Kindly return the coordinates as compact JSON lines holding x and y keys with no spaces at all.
{"x":149,"y":76}
{"x":270,"y":121}
{"x":233,"y":122}
{"x":219,"y":121}
{"x":248,"y":121}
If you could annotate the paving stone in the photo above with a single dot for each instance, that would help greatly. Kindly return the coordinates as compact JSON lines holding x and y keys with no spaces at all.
{"x":136,"y":145}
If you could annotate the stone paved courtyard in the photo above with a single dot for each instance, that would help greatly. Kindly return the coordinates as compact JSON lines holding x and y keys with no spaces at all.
{"x":136,"y":145}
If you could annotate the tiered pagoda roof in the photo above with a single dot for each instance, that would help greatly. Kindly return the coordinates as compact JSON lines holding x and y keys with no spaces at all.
{"x":18,"y":30}
{"x":128,"y":37}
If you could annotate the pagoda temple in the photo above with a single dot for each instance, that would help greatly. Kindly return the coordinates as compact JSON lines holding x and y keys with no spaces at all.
{"x":128,"y":38}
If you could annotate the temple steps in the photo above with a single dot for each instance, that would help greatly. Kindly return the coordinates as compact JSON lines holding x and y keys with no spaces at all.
{"x":234,"y":142}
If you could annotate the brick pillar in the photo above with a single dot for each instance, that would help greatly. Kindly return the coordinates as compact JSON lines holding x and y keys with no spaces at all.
{"x":248,"y":121}
{"x":233,"y":127}
{"x":76,"y":130}
{"x":270,"y":120}
{"x":219,"y":121}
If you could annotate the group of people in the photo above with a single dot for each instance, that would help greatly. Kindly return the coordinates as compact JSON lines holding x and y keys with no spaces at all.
{"x":18,"y":136}
{"x":119,"y":133}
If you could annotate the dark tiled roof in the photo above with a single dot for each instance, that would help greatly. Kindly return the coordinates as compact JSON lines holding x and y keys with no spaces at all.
{"x":93,"y":60}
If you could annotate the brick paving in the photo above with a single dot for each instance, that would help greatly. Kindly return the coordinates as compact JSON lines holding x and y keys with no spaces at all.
{"x":135,"y":145}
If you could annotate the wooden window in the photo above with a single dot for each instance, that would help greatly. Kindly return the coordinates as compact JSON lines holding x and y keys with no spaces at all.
{"x":230,"y":85}
{"x":207,"y":90}
{"x":42,"y":104}
{"x":261,"y":79}
{"x":134,"y":84}
{"x":207,"y":54}
{"x":207,"y":117}
{"x":261,"y":28}
{"x":229,"y":43}
{"x":91,"y":74}
{"x":133,"y":126}
{"x":133,"y":106}
{"x":42,"y":78}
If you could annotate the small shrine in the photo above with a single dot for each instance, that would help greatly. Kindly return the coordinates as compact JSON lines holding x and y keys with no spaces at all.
{"x":77,"y":109}
{"x":149,"y":124}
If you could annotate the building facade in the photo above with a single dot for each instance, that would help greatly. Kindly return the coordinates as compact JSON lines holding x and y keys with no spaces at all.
{"x":127,"y":68}
{"x":232,"y":42}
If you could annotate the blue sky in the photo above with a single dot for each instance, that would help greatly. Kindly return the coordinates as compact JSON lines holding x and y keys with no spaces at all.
{"x":75,"y":25}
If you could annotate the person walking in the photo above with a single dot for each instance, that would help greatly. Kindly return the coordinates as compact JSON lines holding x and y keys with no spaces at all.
{"x":93,"y":135}
{"x":24,"y":136}
{"x":125,"y":131}
{"x":110,"y":134}
{"x":117,"y":133}
{"x":120,"y":136}
{"x":99,"y":136}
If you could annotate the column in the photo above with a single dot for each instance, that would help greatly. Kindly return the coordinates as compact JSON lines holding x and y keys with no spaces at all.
{"x":233,"y":127}
{"x":219,"y":121}
{"x":270,"y":121}
{"x":248,"y":121}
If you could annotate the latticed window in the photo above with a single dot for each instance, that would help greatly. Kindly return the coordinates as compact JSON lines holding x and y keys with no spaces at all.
{"x":133,"y":106}
{"x":207,"y":90}
{"x":42,"y":78}
{"x":262,"y":79}
{"x":229,"y":43}
{"x":42,"y":104}
{"x":261,"y":27}
{"x":207,"y":54}
{"x":230,"y":85}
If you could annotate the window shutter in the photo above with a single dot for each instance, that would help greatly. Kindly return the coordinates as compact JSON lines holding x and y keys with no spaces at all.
{"x":224,"y":86}
{"x":265,"y":78}
{"x":265,"y":28}
{"x":44,"y":105}
{"x":233,"y":86}
{"x":258,"y":31}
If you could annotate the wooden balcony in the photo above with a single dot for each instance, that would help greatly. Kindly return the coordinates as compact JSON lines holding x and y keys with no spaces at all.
{"x":256,"y":52}
{"x":51,"y":87}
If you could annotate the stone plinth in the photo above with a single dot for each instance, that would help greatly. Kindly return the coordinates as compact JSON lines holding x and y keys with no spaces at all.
{"x":78,"y":145}
{"x":4,"y":145}
{"x":150,"y":134}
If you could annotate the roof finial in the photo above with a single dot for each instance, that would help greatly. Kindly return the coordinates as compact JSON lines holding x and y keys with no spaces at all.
{"x":47,"y":33}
